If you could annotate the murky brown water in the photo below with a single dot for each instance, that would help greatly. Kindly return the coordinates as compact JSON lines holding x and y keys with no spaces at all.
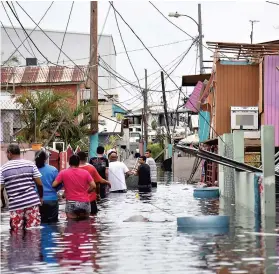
{"x":106,"y":244}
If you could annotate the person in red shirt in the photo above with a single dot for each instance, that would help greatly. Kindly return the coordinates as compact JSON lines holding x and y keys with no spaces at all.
{"x":77,"y":183}
{"x":97,"y":179}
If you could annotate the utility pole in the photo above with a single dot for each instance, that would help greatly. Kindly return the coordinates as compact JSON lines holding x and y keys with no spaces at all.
{"x":93,"y":74}
{"x":200,"y":39}
{"x":165,"y":107}
{"x":252,"y":30}
{"x":145,"y":108}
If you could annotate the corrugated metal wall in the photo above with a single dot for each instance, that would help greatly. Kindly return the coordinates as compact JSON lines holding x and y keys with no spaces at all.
{"x":271,"y":94}
{"x":237,"y":85}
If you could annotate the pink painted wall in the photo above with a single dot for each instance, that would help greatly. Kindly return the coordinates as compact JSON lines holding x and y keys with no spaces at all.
{"x":271,"y":93}
{"x":193,"y":101}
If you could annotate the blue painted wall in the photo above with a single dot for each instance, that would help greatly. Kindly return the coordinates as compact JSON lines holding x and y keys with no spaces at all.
{"x":204,"y":126}
{"x":116,"y":109}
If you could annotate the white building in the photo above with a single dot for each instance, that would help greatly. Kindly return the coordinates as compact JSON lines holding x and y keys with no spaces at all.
{"x":76,"y":46}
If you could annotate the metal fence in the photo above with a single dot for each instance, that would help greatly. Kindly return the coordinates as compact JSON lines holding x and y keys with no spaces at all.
{"x":12,"y":122}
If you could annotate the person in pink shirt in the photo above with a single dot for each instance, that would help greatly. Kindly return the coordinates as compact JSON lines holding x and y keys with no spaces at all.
{"x":77,"y":184}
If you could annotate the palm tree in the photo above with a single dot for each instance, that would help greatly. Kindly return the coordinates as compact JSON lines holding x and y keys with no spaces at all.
{"x":74,"y":129}
{"x":40,"y":114}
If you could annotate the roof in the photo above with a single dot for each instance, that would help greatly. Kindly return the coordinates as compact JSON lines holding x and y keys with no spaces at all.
{"x":192,"y":80}
{"x":244,"y":50}
{"x":43,"y":74}
{"x":8,"y":103}
{"x":270,"y":42}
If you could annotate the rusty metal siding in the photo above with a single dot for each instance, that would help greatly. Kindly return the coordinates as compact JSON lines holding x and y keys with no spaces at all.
{"x":271,"y":93}
{"x":236,"y":86}
{"x":30,"y":74}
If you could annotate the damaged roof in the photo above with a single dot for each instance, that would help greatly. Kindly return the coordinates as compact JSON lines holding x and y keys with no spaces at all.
{"x":42,"y":74}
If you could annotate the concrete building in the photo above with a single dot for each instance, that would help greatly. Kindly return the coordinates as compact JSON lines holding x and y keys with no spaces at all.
{"x":76,"y":46}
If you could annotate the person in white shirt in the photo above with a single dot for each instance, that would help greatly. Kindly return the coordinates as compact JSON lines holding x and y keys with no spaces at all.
{"x":153,"y":168}
{"x":116,"y":174}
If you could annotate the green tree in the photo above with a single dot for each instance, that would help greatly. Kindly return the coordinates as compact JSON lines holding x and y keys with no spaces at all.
{"x":155,"y":148}
{"x":154,"y":125}
{"x":44,"y":110}
{"x":13,"y":60}
{"x":40,"y":112}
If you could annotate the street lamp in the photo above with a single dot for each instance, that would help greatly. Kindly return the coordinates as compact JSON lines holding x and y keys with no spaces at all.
{"x":199,"y":24}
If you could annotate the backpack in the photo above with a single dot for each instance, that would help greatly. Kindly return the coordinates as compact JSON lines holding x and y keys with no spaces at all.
{"x":99,"y":164}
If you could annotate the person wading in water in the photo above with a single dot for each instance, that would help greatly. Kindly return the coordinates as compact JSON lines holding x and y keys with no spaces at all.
{"x":77,"y":183}
{"x":19,"y":177}
{"x":153,"y":168}
{"x":144,"y":184}
{"x":117,"y":172}
{"x":96,"y":177}
{"x":49,"y":209}
{"x":101,"y":164}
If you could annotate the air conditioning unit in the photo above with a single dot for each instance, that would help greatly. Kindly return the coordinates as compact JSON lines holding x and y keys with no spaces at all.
{"x":244,"y":118}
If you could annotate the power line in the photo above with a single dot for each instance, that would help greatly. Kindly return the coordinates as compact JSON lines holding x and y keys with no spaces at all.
{"x":105,"y":22}
{"x":183,"y":30}
{"x":16,"y":48}
{"x":152,"y":72}
{"x":12,"y":43}
{"x":129,"y":111}
{"x":180,"y":61}
{"x":15,"y":29}
{"x":274,"y":3}
{"x":58,"y":48}
{"x":163,"y":68}
{"x":65,"y":30}
{"x":134,"y":50}
{"x":172,"y":22}
{"x":118,"y":80}
{"x":24,"y":33}
{"x":124,"y":80}
{"x":126,"y":48}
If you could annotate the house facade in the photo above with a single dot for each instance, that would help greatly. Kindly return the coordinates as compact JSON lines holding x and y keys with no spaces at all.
{"x":76,"y":46}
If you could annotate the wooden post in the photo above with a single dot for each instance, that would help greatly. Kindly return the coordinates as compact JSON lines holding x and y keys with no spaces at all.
{"x":93,"y":76}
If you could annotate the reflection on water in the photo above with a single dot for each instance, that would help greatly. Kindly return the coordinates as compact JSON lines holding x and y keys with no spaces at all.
{"x":106,"y":244}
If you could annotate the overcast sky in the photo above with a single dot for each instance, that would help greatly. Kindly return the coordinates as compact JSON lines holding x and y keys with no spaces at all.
{"x":223,"y":21}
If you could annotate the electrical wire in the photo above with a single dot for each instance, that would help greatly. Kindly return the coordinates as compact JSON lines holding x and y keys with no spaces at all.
{"x":105,"y":22}
{"x":64,"y":35}
{"x":116,"y":20}
{"x":164,"y":70}
{"x":114,"y":75}
{"x":134,"y":50}
{"x":11,"y":42}
{"x":129,"y":111}
{"x":24,"y":33}
{"x":16,"y":48}
{"x":15,"y":29}
{"x":129,"y":83}
{"x":181,"y":60}
{"x":152,"y":72}
{"x":183,"y":30}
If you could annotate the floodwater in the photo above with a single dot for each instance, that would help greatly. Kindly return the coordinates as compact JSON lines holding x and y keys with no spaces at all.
{"x":106,"y":244}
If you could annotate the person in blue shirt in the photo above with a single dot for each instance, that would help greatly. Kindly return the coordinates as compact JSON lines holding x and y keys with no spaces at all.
{"x":50,"y":207}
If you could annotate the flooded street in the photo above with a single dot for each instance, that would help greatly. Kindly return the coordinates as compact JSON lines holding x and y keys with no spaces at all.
{"x":107,"y":244}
